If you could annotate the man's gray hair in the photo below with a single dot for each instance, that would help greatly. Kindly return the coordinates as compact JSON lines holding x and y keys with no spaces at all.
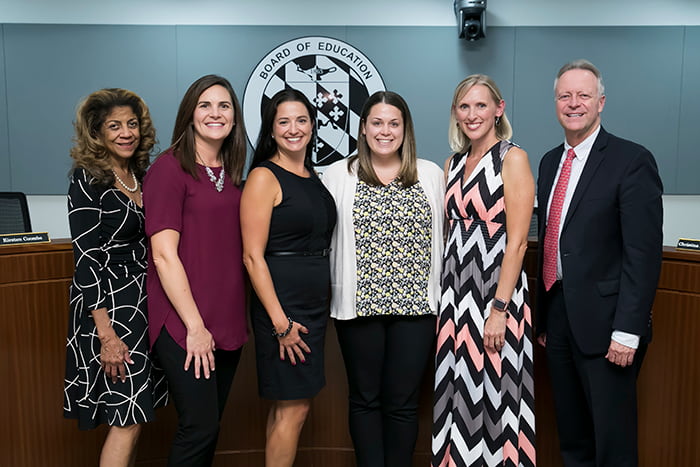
{"x":582,"y":64}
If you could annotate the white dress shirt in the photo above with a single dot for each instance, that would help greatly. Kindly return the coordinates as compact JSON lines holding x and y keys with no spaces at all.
{"x":577,"y":164}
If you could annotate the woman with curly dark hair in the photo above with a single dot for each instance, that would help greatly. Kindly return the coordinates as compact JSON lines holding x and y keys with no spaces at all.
{"x":109,"y":377}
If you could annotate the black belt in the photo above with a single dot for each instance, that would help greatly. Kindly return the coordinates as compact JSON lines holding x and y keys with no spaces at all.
{"x":324,"y":252}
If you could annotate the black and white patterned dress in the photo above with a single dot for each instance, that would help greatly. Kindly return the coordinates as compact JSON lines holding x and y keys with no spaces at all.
{"x":109,"y":248}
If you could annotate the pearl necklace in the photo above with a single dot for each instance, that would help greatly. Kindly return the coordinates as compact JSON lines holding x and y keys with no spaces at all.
{"x":218,"y":183}
{"x":127,"y":188}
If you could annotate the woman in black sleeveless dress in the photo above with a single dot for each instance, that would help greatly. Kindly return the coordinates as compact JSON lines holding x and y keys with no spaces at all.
{"x":287,"y":218}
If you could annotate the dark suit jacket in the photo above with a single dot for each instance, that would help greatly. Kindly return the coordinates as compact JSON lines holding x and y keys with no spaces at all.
{"x":610,"y":244}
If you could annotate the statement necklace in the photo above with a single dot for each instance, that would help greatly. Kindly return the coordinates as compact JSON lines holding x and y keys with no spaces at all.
{"x":127,"y":188}
{"x":218,"y":183}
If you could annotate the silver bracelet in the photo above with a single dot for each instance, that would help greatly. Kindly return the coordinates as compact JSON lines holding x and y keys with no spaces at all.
{"x":279,"y":335}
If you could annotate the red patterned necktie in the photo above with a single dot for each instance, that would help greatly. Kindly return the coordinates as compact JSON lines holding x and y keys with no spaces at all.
{"x":551,"y":236}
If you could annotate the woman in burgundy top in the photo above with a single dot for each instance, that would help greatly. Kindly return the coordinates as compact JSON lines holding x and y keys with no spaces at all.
{"x":196,"y":298}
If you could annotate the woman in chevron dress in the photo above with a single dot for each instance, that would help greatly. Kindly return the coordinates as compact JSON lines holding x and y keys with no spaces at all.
{"x":484,"y":399}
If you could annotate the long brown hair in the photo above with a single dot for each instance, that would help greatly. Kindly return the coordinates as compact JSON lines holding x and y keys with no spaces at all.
{"x":408,"y":172}
{"x":89,"y":152}
{"x":233,"y":149}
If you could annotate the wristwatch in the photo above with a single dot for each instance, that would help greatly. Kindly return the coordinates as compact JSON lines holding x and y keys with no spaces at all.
{"x":499,"y":305}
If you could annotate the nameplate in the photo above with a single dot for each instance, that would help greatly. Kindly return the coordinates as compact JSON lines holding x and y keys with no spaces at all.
{"x":688,"y":244}
{"x":24,"y":238}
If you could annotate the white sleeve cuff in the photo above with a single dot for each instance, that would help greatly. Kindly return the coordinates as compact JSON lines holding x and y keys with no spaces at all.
{"x":625,"y":338}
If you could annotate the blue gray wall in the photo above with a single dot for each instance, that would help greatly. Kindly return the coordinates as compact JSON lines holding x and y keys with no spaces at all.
{"x":651,"y":75}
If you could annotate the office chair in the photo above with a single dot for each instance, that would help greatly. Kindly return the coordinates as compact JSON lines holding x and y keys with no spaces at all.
{"x":14,"y":213}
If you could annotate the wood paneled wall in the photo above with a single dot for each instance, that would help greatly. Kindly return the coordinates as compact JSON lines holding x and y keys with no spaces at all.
{"x":34,"y":282}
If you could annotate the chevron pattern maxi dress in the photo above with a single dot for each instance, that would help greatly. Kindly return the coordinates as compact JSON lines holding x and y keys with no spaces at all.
{"x":484,"y":413}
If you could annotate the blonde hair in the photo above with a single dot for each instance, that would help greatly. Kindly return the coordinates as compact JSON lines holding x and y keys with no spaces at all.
{"x":408,"y":172}
{"x":89,"y":152}
{"x":457,"y":139}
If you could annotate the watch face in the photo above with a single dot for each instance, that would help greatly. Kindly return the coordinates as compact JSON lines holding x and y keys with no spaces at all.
{"x":500,"y":305}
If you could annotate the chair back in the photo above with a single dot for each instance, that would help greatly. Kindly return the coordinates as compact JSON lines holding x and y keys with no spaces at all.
{"x":14,"y":213}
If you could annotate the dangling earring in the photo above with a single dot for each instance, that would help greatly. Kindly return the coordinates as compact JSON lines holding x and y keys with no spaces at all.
{"x":498,"y":120}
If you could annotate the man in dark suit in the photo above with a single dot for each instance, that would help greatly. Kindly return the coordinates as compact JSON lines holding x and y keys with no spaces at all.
{"x":600,"y":246}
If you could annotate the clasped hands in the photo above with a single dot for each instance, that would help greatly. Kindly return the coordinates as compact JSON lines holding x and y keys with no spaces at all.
{"x":113,"y":354}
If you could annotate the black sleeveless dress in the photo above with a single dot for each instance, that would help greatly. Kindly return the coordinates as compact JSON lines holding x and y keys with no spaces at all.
{"x":302,"y":222}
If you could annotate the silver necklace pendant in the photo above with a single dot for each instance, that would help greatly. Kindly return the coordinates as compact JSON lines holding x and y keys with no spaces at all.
{"x":218,"y":183}
{"x":128,"y":188}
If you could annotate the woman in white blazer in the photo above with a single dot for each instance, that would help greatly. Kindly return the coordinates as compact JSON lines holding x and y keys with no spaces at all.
{"x":386,"y":255}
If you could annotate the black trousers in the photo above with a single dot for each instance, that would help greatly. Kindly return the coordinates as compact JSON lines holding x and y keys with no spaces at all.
{"x":595,"y":400}
{"x":385,"y":359}
{"x":199,"y":402}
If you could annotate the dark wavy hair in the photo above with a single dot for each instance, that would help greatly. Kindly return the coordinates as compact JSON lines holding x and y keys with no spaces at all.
{"x":408,"y":172}
{"x":89,"y":152}
{"x":266,"y":146}
{"x":233,"y":149}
